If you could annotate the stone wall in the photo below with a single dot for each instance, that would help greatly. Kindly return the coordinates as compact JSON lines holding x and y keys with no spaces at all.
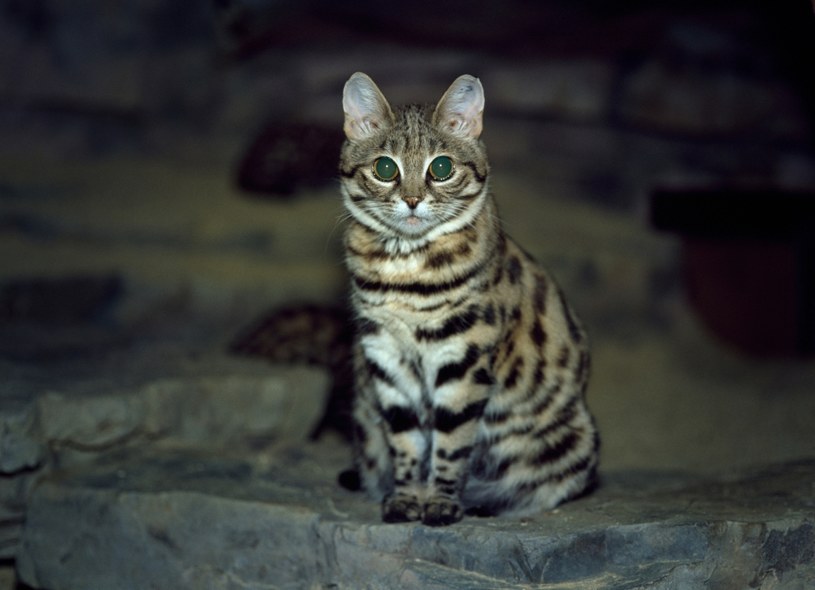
{"x":586,"y":106}
{"x":616,"y":99}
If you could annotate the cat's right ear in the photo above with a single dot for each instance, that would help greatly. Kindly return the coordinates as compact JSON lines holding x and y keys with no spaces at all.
{"x":461,"y":109}
{"x":366,"y":109}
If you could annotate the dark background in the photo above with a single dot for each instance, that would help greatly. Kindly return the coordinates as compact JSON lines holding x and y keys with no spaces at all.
{"x":167,"y":170}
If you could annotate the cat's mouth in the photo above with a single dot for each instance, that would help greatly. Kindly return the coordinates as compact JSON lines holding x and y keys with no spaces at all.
{"x":412,"y":221}
{"x":413,"y":224}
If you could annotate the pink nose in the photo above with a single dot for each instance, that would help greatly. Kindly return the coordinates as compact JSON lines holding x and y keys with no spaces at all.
{"x":412,"y":201}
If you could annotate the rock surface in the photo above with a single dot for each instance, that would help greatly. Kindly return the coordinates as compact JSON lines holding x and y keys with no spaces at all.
{"x":66,"y":412}
{"x":277,"y":520}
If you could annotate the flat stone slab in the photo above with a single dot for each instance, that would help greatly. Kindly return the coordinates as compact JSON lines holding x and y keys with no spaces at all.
{"x":156,"y":391}
{"x":169,"y":519}
{"x":68,"y":411}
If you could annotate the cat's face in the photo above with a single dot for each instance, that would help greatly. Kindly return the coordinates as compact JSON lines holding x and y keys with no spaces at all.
{"x":414,"y":172}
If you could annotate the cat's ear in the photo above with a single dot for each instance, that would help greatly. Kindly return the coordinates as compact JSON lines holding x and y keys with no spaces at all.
{"x":461,"y":108}
{"x":366,"y":109}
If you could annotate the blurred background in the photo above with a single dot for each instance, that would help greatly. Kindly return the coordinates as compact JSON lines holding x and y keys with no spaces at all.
{"x":167,"y":171}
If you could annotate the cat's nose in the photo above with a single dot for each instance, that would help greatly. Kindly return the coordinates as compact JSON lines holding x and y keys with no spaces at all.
{"x":412,"y":202}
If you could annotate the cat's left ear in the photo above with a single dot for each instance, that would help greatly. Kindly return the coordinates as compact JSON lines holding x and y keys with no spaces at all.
{"x":365,"y":107}
{"x":460,"y":110}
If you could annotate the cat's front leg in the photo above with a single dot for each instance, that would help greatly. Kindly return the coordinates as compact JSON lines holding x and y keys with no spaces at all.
{"x":388,"y":448}
{"x":407,"y":445}
{"x":461,"y":393}
{"x":394,"y":385}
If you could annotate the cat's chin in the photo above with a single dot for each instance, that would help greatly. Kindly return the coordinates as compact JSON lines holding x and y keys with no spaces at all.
{"x":413,"y":226}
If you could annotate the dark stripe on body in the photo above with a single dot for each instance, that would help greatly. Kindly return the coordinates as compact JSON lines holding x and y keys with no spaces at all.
{"x":434,"y":307}
{"x":563,"y":417}
{"x":400,"y":419}
{"x":455,"y":325}
{"x":569,"y":471}
{"x":563,"y":357}
{"x":497,"y":417}
{"x":537,"y":376}
{"x":440,"y":259}
{"x":537,"y":334}
{"x":366,"y":327}
{"x":478,"y":176}
{"x":489,"y":314}
{"x":436,"y":260}
{"x":491,"y":470}
{"x":445,"y":482}
{"x":482,"y":377}
{"x":549,"y":396}
{"x":374,"y":370}
{"x":446,"y":421}
{"x":382,"y":254}
{"x":351,"y":172}
{"x":469,"y":196}
{"x":418,"y":288}
{"x":514,"y":270}
{"x":556,"y":451}
{"x":460,"y":453}
{"x":457,"y":370}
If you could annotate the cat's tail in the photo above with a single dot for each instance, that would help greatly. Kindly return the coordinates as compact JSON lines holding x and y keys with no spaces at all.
{"x":309,"y":334}
{"x":305,"y":333}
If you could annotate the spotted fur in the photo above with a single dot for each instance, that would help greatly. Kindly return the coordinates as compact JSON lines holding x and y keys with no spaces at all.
{"x":470,"y":366}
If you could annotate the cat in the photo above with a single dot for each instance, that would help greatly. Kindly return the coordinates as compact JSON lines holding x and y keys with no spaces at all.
{"x":470,"y":367}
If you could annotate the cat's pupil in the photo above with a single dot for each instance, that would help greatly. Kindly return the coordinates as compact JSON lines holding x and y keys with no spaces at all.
{"x":385,"y":168}
{"x":441,"y":168}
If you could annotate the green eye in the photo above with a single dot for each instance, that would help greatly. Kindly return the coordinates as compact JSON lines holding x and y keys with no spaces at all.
{"x":441,"y":168}
{"x":385,"y":169}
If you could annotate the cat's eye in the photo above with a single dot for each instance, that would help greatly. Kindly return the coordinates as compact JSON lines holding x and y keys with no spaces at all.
{"x":441,"y":168}
{"x":385,"y":169}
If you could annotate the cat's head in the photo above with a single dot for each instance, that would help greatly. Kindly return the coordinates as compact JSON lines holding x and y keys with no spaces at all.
{"x":413,"y":172}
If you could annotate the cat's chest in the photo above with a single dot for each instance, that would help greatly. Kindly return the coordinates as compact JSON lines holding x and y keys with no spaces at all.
{"x":401,"y":269}
{"x":403,"y":330}
{"x":431,"y":263}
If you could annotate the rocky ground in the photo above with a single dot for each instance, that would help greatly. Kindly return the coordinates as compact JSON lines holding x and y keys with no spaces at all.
{"x":167,"y":178}
{"x":168,"y":464}
{"x":277,"y":520}
{"x":124,"y":419}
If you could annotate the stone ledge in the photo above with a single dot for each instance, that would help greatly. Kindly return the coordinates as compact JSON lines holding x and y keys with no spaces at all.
{"x":68,"y":412}
{"x":155,"y":392}
{"x":277,"y":520}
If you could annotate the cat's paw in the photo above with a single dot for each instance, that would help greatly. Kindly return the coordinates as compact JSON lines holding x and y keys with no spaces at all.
{"x":401,"y":508}
{"x":441,"y":511}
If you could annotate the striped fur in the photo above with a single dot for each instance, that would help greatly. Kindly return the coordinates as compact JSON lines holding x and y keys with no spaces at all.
{"x":470,"y":366}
